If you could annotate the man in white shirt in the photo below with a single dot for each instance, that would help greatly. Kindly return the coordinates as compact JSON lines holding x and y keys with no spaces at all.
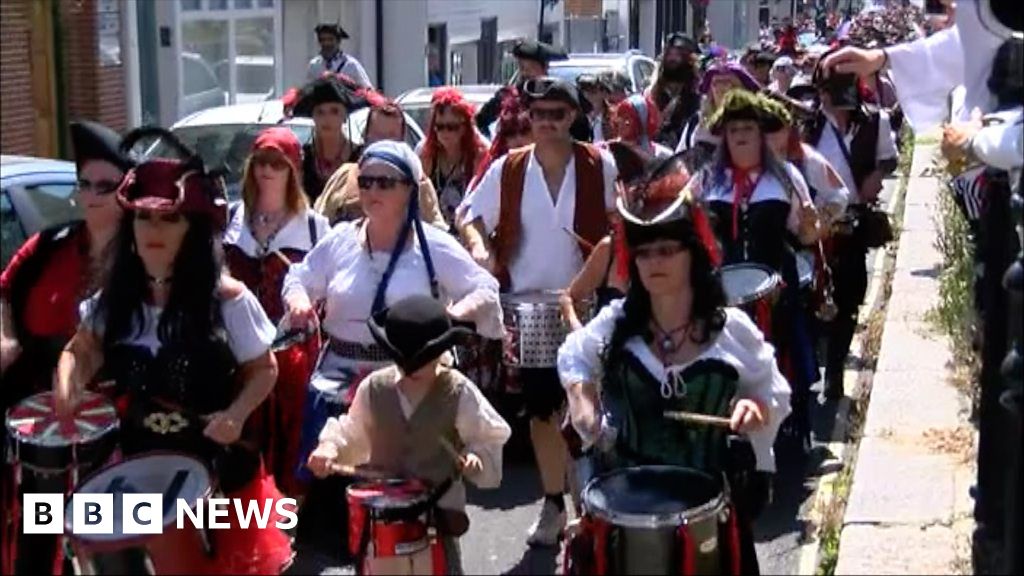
{"x":332,"y":59}
{"x":546,"y":206}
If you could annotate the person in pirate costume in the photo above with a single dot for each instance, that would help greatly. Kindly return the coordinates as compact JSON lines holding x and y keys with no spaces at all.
{"x":762,"y":211}
{"x":39,"y":293}
{"x":534,"y":217}
{"x":532,"y":60}
{"x":187,"y":346}
{"x":356,"y":270}
{"x":672,"y":344}
{"x":332,"y":59}
{"x":269,"y":230}
{"x":858,"y":141}
{"x":636,"y":122}
{"x":674,"y":89}
{"x":328,"y":102}
{"x":696,"y":138}
{"x":400,"y":412}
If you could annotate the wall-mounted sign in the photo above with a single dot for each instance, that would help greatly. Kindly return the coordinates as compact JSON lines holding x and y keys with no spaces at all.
{"x":108,"y":32}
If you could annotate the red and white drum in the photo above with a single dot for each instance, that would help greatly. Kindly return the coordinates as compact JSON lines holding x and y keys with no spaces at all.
{"x":389,"y":519}
{"x":185,"y":551}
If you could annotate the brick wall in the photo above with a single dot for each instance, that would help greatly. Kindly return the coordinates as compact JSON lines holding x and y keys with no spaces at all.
{"x":582,"y":8}
{"x":91,"y":91}
{"x":17,"y":129}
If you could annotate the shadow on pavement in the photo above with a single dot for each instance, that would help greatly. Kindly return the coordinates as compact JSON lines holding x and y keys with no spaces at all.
{"x":542,"y":560}
{"x":520,"y":485}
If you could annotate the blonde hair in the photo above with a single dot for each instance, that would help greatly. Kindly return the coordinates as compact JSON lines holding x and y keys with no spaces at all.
{"x":295,"y":198}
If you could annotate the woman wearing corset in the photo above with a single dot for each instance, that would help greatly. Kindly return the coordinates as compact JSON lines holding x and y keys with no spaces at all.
{"x":358,"y":268}
{"x":452,"y":149}
{"x":670,"y":342}
{"x":762,"y":213}
{"x":187,"y":347}
{"x":269,"y":230}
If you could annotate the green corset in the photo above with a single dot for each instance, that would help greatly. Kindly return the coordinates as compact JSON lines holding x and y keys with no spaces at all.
{"x":636,"y":401}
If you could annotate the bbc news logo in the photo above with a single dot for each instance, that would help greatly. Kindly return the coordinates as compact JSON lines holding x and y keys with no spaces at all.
{"x":97,"y":513}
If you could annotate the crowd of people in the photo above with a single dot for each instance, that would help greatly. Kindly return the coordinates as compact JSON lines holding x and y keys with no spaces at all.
{"x":704,"y":239}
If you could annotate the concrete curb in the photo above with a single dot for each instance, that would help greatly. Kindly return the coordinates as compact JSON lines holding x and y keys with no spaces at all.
{"x":907,"y":490}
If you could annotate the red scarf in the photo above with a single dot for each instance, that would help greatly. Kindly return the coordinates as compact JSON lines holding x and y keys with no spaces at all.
{"x":742,"y":189}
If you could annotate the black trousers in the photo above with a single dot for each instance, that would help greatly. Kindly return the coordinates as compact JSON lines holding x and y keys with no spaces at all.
{"x":850,"y":280}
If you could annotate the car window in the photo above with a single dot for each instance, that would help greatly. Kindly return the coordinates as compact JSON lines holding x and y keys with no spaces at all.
{"x":11,"y":233}
{"x":642,"y":72}
{"x":52,"y":204}
{"x":218,"y":144}
{"x":198,"y":78}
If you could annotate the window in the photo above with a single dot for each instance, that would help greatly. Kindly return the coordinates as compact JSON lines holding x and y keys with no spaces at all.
{"x":198,"y":76}
{"x":190,"y":5}
{"x":11,"y":233}
{"x":218,"y":4}
{"x":53,"y":204}
{"x":243,"y":4}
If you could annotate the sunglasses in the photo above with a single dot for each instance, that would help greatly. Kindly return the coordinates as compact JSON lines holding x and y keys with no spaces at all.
{"x":275,"y":161}
{"x":382,"y":182}
{"x":101,"y":188}
{"x":165,"y":217}
{"x":448,"y":126}
{"x":660,"y":251}
{"x":555,"y":114}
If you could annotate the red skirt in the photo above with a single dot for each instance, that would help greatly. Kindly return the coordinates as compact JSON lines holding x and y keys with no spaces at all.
{"x":277,"y":423}
{"x":252,"y":550}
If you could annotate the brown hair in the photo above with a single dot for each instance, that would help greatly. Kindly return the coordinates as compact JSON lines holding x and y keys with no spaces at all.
{"x":295,"y":198}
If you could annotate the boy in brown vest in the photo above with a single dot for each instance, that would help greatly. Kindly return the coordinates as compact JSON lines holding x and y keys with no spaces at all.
{"x":532,"y":221}
{"x":418,"y":419}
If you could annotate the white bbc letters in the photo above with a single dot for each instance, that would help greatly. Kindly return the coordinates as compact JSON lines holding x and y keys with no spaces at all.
{"x":142,"y":513}
{"x":92,"y":513}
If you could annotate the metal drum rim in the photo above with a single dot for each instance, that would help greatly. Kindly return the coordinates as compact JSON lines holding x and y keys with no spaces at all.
{"x":775,"y":279}
{"x":711,"y":508}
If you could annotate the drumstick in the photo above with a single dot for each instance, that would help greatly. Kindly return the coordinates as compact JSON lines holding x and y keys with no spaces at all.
{"x":694,"y":418}
{"x":450,"y":449}
{"x":578,"y":238}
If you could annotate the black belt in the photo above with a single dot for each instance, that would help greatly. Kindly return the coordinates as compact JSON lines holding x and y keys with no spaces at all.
{"x":358,"y":351}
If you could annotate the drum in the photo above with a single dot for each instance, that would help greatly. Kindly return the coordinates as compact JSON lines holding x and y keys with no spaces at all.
{"x":655,"y":520}
{"x":185,"y":551}
{"x":536,"y":327}
{"x":752,"y":287}
{"x":389,"y":519}
{"x":48,"y":446}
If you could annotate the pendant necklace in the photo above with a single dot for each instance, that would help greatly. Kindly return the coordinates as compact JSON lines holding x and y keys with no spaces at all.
{"x":666,"y":339}
{"x":159,"y":282}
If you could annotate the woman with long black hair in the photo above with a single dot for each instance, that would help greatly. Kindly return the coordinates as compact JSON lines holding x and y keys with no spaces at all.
{"x":668,"y":344}
{"x":187,"y":346}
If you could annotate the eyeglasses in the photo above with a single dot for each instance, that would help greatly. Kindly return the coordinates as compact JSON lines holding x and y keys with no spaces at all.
{"x":554,"y":114}
{"x":448,"y":126}
{"x":385,"y":183}
{"x":102,"y":188}
{"x":165,"y":217}
{"x":275,"y":161}
{"x":659,"y":251}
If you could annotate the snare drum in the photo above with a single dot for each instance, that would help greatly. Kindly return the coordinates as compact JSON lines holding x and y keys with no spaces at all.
{"x":752,"y":287}
{"x":536,"y":327}
{"x":655,"y":520}
{"x":389,"y":528}
{"x":185,"y":551}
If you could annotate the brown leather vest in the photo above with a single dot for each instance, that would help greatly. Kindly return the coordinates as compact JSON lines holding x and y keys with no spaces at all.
{"x":590,"y":220}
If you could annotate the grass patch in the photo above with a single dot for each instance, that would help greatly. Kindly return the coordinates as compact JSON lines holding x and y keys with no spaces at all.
{"x":953,"y":313}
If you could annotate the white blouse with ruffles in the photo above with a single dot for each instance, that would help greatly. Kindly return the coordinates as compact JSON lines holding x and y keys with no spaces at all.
{"x":740,"y":344}
{"x":341,"y":271}
{"x":768,"y":188}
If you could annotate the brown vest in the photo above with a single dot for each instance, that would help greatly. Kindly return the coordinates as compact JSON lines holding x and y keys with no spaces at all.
{"x":590,"y":220}
{"x":412,"y":447}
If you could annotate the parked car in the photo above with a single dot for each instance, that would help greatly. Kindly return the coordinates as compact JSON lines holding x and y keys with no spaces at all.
{"x":224,"y":135}
{"x":636,"y":66}
{"x":416,"y":102}
{"x":202,"y":90}
{"x":35,"y":194}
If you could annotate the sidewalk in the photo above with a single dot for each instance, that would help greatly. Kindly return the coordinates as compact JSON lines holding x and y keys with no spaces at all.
{"x":909,"y":510}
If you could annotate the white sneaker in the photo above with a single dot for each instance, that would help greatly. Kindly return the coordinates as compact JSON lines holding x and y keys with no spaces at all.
{"x":548,"y":528}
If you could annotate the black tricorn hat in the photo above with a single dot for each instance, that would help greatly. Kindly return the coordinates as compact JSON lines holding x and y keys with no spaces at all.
{"x":334,"y":29}
{"x":94,"y":141}
{"x":416,"y":330}
{"x":632,"y":161}
{"x":325,"y":90}
{"x":539,"y":51}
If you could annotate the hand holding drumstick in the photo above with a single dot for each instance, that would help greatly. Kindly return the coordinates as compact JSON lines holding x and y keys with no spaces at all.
{"x":469,"y":464}
{"x":747,"y":417}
